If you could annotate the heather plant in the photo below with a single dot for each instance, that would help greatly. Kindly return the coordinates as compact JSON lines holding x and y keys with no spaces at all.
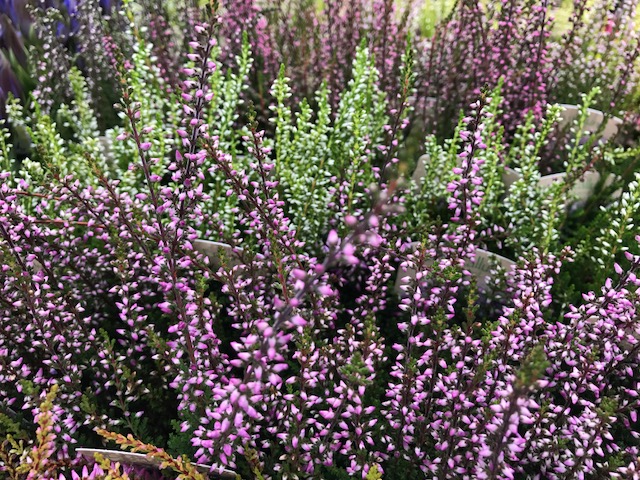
{"x":318,"y":43}
{"x":436,"y":333}
{"x":599,"y":49}
{"x":478,"y":44}
{"x":474,"y":47}
{"x":42,"y":460}
{"x":299,"y":359}
{"x":533,"y":211}
{"x":315,"y":157}
{"x":62,"y":174}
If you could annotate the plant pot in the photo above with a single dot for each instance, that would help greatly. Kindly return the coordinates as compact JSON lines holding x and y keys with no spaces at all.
{"x":479,"y":268}
{"x":145,"y":461}
{"x":581,"y":190}
{"x":219,"y":253}
{"x":585,"y":186}
{"x":594,"y":120}
{"x":420,"y":170}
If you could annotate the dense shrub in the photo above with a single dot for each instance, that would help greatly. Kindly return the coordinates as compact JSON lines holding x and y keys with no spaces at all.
{"x":342,"y":329}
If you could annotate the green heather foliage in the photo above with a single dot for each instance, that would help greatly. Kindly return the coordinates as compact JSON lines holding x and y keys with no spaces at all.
{"x":315,"y":154}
